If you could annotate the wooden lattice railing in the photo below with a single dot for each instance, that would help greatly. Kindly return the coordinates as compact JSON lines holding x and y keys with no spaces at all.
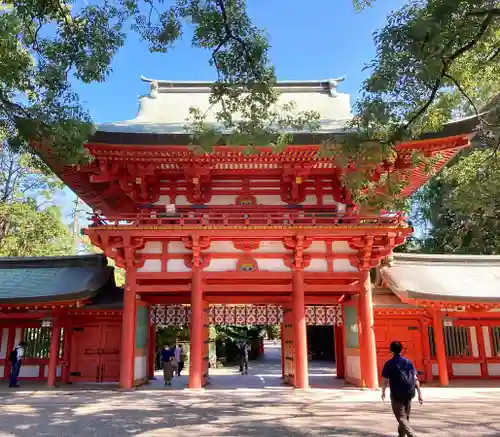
{"x":199,"y":219}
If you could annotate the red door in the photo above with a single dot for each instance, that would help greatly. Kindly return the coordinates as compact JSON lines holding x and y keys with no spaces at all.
{"x":85,"y":348}
{"x":110,"y":352}
{"x":407,"y":331}
{"x":95,"y":353}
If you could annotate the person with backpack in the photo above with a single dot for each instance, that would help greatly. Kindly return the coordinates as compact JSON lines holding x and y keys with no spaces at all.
{"x":16,"y":359}
{"x":400,"y":374}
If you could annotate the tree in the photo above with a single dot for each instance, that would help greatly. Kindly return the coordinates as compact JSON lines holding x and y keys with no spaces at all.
{"x":29,"y":224}
{"x":435,"y":59}
{"x":460,"y":208}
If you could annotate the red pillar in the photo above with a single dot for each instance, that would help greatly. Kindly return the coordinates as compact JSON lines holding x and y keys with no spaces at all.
{"x":55,"y":341}
{"x":151,"y":351}
{"x":339,"y":350}
{"x":127,"y":354}
{"x":282,"y":338}
{"x":368,"y":345}
{"x":440,"y":347}
{"x":68,"y":334}
{"x":300,"y":330}
{"x":11,"y":339}
{"x":196,"y":331}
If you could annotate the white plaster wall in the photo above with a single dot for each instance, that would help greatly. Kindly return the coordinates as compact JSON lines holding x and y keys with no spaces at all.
{"x":269,"y":200}
{"x":310,"y":200}
{"x":180,"y":200}
{"x":140,"y":367}
{"x":18,"y":337}
{"x":466,"y":369}
{"x":342,"y":247}
{"x":343,"y":265}
{"x":473,"y":337}
{"x":316,"y":246}
{"x":317,"y":265}
{"x":487,"y":343}
{"x":163,"y":200}
{"x":353,"y":366}
{"x":3,"y":346}
{"x":222,"y":247}
{"x":435,"y":369}
{"x":151,"y":265}
{"x":272,"y":265}
{"x":177,"y":247}
{"x":271,"y":247}
{"x":177,"y":265}
{"x":30,"y":371}
{"x":494,"y":369}
{"x":152,"y":247}
{"x":223,"y":200}
{"x":222,"y":265}
{"x":46,"y":371}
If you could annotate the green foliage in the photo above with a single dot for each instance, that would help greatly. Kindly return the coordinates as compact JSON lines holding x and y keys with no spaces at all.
{"x":462,"y":206}
{"x":435,"y":60}
{"x":30,"y":225}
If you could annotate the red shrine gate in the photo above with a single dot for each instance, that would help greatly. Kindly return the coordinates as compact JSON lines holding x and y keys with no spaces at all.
{"x":270,"y":228}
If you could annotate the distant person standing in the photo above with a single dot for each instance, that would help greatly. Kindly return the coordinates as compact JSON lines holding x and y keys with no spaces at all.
{"x":244,"y":350}
{"x":168,"y":358}
{"x":180,"y":357}
{"x":16,"y":359}
{"x":400,"y":374}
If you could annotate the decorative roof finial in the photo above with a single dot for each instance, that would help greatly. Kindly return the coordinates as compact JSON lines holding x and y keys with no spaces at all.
{"x":153,"y":93}
{"x":334,"y":83}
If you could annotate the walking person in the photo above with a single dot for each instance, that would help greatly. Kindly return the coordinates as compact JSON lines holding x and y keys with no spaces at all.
{"x":168,"y":359}
{"x":400,"y":374}
{"x":16,"y":359}
{"x":244,"y":350}
{"x":180,"y":357}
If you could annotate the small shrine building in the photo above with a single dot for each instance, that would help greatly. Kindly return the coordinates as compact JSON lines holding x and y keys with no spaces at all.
{"x":264,"y":238}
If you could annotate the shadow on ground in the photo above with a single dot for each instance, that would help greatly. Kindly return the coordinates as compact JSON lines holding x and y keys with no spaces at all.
{"x":259,"y":413}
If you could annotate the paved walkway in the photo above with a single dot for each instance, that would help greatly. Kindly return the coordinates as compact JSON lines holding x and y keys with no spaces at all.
{"x":262,"y":409}
{"x":262,"y":373}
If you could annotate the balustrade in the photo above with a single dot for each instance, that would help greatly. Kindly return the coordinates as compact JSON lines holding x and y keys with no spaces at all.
{"x":195,"y":219}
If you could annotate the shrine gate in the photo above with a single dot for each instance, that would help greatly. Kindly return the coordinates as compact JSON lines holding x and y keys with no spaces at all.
{"x":266,"y":229}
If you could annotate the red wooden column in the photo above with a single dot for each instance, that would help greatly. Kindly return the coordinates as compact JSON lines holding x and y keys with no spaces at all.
{"x":368,"y":345}
{"x":440,"y":347}
{"x":127,"y":353}
{"x":151,"y":350}
{"x":283,"y":355}
{"x":300,"y":329}
{"x":338,"y":332}
{"x":68,"y":334}
{"x":55,"y":341}
{"x":196,"y":329}
{"x":11,"y":339}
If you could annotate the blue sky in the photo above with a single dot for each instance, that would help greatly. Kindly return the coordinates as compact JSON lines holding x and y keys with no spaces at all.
{"x":313,"y":39}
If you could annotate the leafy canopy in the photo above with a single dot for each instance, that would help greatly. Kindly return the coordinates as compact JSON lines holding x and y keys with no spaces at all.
{"x":431,"y":56}
{"x":30,"y":224}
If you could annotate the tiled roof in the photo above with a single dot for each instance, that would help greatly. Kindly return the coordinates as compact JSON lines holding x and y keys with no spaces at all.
{"x":450,"y":278}
{"x":52,"y":279}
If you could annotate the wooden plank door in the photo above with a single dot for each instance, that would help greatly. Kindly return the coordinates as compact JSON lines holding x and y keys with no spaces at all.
{"x":85,"y":353}
{"x":110,"y":352}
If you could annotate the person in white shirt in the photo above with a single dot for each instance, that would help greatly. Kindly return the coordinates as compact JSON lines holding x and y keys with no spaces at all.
{"x":179,"y":358}
{"x":16,"y":359}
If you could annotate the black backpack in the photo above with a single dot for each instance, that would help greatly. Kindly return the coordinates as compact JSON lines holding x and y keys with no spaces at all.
{"x":408,"y":378}
{"x":13,"y":356}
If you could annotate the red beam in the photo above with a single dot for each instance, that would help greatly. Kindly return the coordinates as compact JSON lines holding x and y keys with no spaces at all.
{"x":27,"y":315}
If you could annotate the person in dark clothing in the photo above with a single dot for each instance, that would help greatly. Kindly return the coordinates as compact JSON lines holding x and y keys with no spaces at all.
{"x":400,"y":374}
{"x":244,"y":350}
{"x":168,"y":358}
{"x":16,"y":359}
